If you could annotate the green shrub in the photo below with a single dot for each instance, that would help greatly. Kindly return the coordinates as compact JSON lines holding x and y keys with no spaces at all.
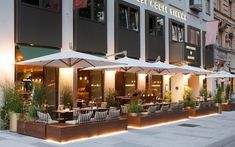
{"x":188,"y":101}
{"x":227,"y":92}
{"x":110,"y":98}
{"x":168,"y":96}
{"x":135,"y":107}
{"x":39,"y":97}
{"x":203,"y":93}
{"x":67,"y":96}
{"x":218,"y":95}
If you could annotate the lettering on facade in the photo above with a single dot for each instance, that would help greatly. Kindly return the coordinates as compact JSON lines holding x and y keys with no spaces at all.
{"x":164,"y":8}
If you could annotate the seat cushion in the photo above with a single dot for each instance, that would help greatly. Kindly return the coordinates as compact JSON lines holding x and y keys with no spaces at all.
{"x":113,"y":113}
{"x":101,"y":115}
{"x":152,"y":109}
{"x":82,"y":118}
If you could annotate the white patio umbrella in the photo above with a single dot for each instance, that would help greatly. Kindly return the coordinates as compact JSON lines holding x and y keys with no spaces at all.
{"x":194,"y":70}
{"x":127,"y":65}
{"x":68,"y":59}
{"x":165,"y":68}
{"x":221,"y":74}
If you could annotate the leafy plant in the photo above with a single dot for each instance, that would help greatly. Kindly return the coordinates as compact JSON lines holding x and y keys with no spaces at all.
{"x":110,"y":98}
{"x":188,"y":98}
{"x":218,"y":95}
{"x":203,"y":93}
{"x":31,"y":113}
{"x":12,"y":102}
{"x":168,"y":96}
{"x":67,"y":96}
{"x":135,"y":107}
{"x":227,"y":92}
{"x":39,"y":97}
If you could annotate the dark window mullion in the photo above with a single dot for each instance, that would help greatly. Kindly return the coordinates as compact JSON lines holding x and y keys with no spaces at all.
{"x":92,"y":10}
{"x":129,"y":17}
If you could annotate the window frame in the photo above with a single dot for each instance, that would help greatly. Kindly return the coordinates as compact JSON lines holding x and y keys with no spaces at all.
{"x":40,"y":6}
{"x":92,"y":18}
{"x":178,"y":24}
{"x":129,"y":6}
{"x":156,"y":15}
{"x":195,"y":31}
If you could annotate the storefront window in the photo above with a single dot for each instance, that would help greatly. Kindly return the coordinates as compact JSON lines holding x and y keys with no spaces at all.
{"x":177,"y":32}
{"x":89,"y":85}
{"x":130,"y":83}
{"x":157,"y":85}
{"x":94,"y":10}
{"x":156,"y":25}
{"x":128,"y":18}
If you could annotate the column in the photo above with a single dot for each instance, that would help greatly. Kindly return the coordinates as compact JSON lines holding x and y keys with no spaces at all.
{"x":67,"y":76}
{"x":109,"y":76}
{"x":7,"y":44}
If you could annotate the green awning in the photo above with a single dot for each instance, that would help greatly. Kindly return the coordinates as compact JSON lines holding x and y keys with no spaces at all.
{"x":30,"y":52}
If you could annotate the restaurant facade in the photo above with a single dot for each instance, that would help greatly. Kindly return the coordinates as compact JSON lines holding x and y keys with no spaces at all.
{"x":150,"y":30}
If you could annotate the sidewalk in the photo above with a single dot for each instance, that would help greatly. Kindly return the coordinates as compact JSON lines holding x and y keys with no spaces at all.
{"x":216,"y":131}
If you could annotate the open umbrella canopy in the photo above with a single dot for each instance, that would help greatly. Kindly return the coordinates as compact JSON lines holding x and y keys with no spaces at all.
{"x":165,"y":68}
{"x":221,"y":74}
{"x":194,"y":70}
{"x":69,"y":59}
{"x":127,"y":65}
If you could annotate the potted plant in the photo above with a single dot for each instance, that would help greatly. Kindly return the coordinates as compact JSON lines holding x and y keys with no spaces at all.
{"x":134,"y":108}
{"x":189,"y":103}
{"x":218,"y":98}
{"x":13,"y":104}
{"x":203,"y":93}
{"x":168,"y":96}
{"x":110,"y":98}
{"x":227,"y":93}
{"x":67,"y":97}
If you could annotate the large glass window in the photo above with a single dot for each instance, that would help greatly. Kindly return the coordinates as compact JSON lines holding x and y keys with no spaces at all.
{"x":130,"y":83}
{"x":156,"y":85}
{"x":194,"y":36}
{"x":52,"y":5}
{"x":89,"y":85}
{"x":156,"y":25}
{"x":177,"y":32}
{"x":95,"y":10}
{"x":128,"y":18}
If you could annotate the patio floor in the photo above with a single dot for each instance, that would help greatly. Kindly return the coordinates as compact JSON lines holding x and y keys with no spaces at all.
{"x":214,"y":131}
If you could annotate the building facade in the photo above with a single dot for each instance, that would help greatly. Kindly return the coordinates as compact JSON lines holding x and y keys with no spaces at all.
{"x":224,"y":51}
{"x":172,"y":31}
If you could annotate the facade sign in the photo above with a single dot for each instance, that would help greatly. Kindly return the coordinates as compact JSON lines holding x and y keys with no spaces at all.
{"x":190,"y":52}
{"x":164,"y":8}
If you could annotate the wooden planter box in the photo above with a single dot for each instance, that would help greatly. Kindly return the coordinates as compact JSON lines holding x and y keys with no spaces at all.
{"x":228,"y":107}
{"x":30,"y":128}
{"x":156,"y":118}
{"x":200,"y":112}
{"x":67,"y":132}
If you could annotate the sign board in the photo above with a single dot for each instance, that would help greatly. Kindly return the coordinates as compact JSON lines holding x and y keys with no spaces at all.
{"x":164,"y":8}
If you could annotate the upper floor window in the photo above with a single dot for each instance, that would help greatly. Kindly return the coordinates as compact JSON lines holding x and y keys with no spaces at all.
{"x":95,"y":10}
{"x":156,"y":25}
{"x":196,"y":5}
{"x":207,"y":7}
{"x":177,"y":32}
{"x":52,"y":5}
{"x":128,"y":18}
{"x":194,"y":36}
{"x":230,"y":8}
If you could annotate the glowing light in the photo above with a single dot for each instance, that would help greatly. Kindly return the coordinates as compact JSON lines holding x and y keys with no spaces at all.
{"x":89,"y":138}
{"x":187,"y":76}
{"x":157,"y":125}
{"x":204,"y":116}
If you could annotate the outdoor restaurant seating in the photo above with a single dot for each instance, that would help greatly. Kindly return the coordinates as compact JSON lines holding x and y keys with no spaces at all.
{"x":204,"y":108}
{"x":154,"y":116}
